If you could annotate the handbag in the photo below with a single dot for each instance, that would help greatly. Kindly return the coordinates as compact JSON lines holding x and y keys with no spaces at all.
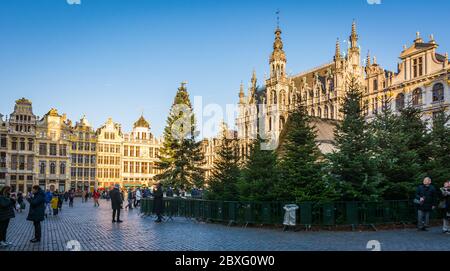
{"x":442,"y":204}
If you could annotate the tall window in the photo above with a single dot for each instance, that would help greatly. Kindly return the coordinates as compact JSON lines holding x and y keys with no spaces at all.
{"x":63,"y":150}
{"x":274,"y":97}
{"x":52,"y":168}
{"x":400,"y":102}
{"x":62,"y":168}
{"x":3,"y":141}
{"x":53,"y":149}
{"x":30,"y":144}
{"x":417,"y":67}
{"x":42,"y":167}
{"x":375,"y":85}
{"x":14,"y":144}
{"x":438,"y":92}
{"x":22,"y":144}
{"x":417,"y":97}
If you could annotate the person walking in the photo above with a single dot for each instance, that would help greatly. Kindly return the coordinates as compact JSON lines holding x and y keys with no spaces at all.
{"x":138,"y":197}
{"x":66,"y":196}
{"x":37,"y":211}
{"x":48,"y":198}
{"x":445,"y":207}
{"x":129,"y":199}
{"x":6,"y":213}
{"x":60,"y":201}
{"x":86,"y":196}
{"x":426,"y":202}
{"x":158,"y":204}
{"x":71,"y":197}
{"x":96,"y":196}
{"x":116,"y":203}
{"x":20,"y":201}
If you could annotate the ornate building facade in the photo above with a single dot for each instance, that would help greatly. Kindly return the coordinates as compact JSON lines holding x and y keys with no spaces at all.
{"x":53,"y":133}
{"x":21,"y":143}
{"x":109,"y":154}
{"x":3,"y":149}
{"x":83,"y":170}
{"x":140,"y":153}
{"x":422,"y":79}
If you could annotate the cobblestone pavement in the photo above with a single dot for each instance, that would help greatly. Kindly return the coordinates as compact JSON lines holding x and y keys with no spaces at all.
{"x":93,"y":229}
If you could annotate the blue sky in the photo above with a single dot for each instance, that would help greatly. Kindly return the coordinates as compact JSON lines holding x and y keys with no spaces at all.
{"x":119,"y":58}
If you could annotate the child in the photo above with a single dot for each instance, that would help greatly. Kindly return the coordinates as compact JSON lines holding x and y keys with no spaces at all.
{"x":54,"y":204}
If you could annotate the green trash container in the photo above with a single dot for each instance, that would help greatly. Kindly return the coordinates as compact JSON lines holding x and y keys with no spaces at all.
{"x":328,"y":214}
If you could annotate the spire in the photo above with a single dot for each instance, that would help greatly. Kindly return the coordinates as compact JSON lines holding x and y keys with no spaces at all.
{"x":241,"y":93}
{"x":354,"y":36}
{"x":278,"y":53}
{"x":374,"y":60}
{"x":368,"y":59}
{"x":337,"y":54}
{"x":254,"y":78}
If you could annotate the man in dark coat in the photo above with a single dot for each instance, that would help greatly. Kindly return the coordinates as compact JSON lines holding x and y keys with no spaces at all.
{"x":158,"y":204}
{"x":6,"y":213}
{"x":37,"y":211}
{"x":116,"y":203}
{"x":426,"y":197}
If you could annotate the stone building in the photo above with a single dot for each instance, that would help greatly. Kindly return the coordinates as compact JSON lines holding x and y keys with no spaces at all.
{"x":21,"y":143}
{"x":83,"y":153}
{"x":53,"y":134}
{"x":140,"y":153}
{"x":422,"y":80}
{"x":109,"y":154}
{"x":3,"y":150}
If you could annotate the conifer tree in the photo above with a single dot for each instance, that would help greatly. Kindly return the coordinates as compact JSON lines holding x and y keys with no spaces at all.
{"x":259,"y":175}
{"x":438,"y":167}
{"x":225,"y":174}
{"x":301,"y":177}
{"x":180,"y":157}
{"x":353,"y":165}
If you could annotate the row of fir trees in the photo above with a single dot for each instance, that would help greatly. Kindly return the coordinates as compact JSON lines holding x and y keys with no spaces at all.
{"x":381,"y":159}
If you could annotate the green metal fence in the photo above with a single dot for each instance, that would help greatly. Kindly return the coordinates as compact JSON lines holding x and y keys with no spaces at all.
{"x":272,"y":213}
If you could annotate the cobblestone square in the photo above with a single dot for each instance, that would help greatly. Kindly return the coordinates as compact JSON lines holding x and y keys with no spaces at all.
{"x":93,"y":229}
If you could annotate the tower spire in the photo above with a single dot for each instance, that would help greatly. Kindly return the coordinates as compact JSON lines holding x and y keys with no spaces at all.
{"x":337,"y":54}
{"x":368,"y":59}
{"x":278,"y":57}
{"x":354,"y":36}
{"x":254,"y":78}
{"x":241,"y":93}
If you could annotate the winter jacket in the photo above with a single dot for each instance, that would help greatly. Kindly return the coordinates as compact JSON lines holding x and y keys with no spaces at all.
{"x":158,"y":204}
{"x":37,"y":207}
{"x":48,"y":197}
{"x":116,"y":199}
{"x":6,"y":208}
{"x":430,"y":195}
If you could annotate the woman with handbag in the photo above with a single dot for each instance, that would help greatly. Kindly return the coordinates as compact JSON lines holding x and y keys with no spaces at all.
{"x":444,"y":205}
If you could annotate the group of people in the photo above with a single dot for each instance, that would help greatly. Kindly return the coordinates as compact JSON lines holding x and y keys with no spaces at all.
{"x":427,"y":199}
{"x":134,"y":198}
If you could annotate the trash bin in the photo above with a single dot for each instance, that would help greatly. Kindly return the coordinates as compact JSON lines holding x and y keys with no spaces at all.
{"x":290,"y":214}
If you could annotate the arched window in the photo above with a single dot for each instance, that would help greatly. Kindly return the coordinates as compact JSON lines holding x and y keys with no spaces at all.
{"x":270,"y":123}
{"x":331,"y":112}
{"x":319,"y":112}
{"x":52,"y":168}
{"x":274,"y":97}
{"x":42,"y":168}
{"x":62,"y":168}
{"x":438,"y":92}
{"x":313,"y":113}
{"x":417,"y":96}
{"x":325,"y":112}
{"x":400,"y":102}
{"x":282,"y":98}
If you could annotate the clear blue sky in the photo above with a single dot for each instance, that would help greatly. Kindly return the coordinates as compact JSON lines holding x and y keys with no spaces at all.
{"x":121,"y":57}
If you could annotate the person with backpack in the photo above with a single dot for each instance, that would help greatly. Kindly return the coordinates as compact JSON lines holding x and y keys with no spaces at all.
{"x":426,"y":197}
